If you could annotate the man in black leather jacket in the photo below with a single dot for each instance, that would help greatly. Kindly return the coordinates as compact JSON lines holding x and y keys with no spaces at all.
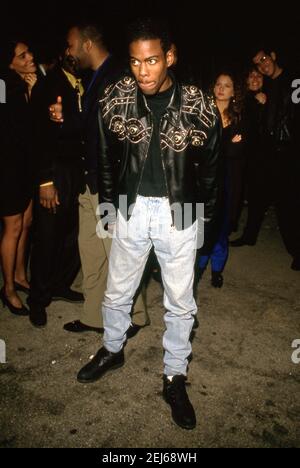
{"x":155,"y":127}
{"x":282,"y":154}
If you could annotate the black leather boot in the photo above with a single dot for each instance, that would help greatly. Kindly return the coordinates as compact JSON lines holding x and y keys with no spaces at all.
{"x":100,"y":364}
{"x":174,"y":393}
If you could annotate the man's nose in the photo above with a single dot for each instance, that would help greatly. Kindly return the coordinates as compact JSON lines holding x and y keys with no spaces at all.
{"x":143,"y":70}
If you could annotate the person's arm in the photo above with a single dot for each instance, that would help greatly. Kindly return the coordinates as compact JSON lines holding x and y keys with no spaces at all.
{"x":107,"y":166}
{"x":44,"y":144}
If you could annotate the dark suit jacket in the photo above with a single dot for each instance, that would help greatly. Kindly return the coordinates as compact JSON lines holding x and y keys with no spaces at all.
{"x":87,"y":123}
{"x":56,"y":144}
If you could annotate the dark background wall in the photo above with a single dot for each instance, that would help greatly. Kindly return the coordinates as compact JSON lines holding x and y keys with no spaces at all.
{"x":209,"y":35}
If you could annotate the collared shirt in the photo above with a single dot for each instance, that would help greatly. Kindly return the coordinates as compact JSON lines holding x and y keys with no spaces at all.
{"x":77,"y":85}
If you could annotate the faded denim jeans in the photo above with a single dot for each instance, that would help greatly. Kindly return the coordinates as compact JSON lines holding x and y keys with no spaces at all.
{"x":151,"y":224}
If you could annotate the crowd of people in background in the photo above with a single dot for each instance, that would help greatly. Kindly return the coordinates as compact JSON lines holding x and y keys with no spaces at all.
{"x":46,"y":169}
{"x":49,"y":172}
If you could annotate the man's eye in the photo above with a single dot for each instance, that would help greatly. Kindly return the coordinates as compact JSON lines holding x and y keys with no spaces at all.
{"x":134,"y":63}
{"x":152,"y":61}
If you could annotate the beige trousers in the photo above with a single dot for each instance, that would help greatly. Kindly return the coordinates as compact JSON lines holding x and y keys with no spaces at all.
{"x":94,"y":253}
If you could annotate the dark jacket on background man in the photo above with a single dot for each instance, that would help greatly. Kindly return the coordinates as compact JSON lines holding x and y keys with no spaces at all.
{"x":56,"y":144}
{"x":86,"y":124}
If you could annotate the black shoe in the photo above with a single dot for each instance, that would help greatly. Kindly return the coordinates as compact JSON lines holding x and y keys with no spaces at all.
{"x":133,"y":330}
{"x":216,"y":279}
{"x":21,"y":311}
{"x":37,"y":316}
{"x":20,"y":287}
{"x":78,"y":327}
{"x":68,"y":295}
{"x":175,"y":395}
{"x":241,"y":241}
{"x":296,"y":264}
{"x":100,"y":364}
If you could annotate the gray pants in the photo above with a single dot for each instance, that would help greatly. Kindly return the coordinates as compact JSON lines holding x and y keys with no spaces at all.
{"x":151,"y":223}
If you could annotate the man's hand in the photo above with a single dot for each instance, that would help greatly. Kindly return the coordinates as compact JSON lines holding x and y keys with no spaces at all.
{"x":49,"y":198}
{"x":261,"y":98}
{"x":56,"y":111}
{"x":237,"y":139}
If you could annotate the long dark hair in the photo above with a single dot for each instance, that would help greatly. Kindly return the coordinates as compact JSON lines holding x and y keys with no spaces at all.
{"x":7,"y":50}
{"x":246,"y":73}
{"x":234,"y":110}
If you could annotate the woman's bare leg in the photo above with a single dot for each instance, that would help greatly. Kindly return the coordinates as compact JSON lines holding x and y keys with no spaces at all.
{"x":12,"y":230}
{"x":20,"y":270}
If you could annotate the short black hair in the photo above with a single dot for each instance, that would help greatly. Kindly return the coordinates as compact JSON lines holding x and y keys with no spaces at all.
{"x":262,"y":46}
{"x":150,"y":28}
{"x":92,"y":32}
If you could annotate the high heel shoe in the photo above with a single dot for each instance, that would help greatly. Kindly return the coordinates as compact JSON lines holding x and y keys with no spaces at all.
{"x":20,"y":287}
{"x":22,"y":311}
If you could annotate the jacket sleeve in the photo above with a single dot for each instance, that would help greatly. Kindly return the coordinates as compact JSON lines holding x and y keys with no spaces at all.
{"x":108,"y":162}
{"x":210,"y":183}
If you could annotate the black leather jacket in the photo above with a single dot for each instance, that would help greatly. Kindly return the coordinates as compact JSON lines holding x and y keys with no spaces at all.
{"x":189,"y":130}
{"x":285,"y":131}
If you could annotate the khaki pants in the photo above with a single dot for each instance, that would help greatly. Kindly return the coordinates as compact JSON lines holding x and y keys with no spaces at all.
{"x":94,"y":253}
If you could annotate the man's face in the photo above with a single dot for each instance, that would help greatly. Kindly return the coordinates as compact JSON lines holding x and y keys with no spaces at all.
{"x":149,"y":65}
{"x":22,"y":62}
{"x":265,"y":63}
{"x":76,"y":49}
{"x":255,"y":81}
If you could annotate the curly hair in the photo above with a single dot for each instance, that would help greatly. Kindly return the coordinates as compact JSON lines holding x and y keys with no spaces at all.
{"x":234,"y":110}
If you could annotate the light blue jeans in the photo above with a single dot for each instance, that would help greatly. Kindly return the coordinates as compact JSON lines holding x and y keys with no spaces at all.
{"x":151,"y":223}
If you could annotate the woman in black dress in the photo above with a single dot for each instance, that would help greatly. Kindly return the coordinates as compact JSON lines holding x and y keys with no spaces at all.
{"x":16,"y":180}
{"x":229,"y":100}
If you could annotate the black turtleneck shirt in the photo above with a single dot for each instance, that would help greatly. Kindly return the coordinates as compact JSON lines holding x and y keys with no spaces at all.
{"x":153,"y":182}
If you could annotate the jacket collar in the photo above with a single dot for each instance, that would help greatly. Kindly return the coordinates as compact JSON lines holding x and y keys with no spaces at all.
{"x":173,"y":109}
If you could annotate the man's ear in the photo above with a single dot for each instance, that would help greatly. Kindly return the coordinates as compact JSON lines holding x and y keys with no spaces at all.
{"x":273,"y":56}
{"x":170,"y":58}
{"x":87,"y":45}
